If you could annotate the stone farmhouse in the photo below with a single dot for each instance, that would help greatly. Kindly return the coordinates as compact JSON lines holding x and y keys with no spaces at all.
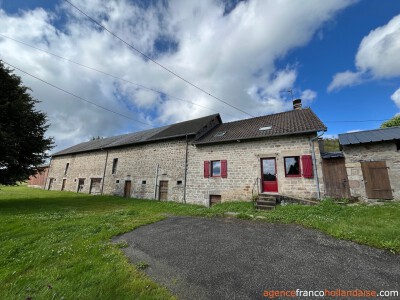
{"x":372,"y":163}
{"x":202,"y":161}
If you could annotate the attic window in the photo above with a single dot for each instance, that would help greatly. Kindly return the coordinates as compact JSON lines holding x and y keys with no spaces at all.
{"x":220,"y":133}
{"x":265,"y":128}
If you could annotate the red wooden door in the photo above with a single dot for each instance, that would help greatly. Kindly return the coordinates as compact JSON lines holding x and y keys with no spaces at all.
{"x":269,"y":178}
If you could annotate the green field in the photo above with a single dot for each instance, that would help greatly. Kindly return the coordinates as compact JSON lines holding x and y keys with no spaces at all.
{"x":56,"y":245}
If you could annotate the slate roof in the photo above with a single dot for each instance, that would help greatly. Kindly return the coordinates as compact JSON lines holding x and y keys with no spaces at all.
{"x":285,"y":123}
{"x":370,"y":136}
{"x":191,"y":127}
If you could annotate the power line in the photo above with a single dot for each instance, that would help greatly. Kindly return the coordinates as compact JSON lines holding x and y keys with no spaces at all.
{"x":76,"y":96}
{"x":356,"y":121}
{"x":154,"y":61}
{"x":113,"y":76}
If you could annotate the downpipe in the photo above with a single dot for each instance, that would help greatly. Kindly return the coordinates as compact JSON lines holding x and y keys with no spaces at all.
{"x":314,"y":160}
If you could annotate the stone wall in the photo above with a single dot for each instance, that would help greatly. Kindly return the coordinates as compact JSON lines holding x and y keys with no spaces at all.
{"x":244,"y":167}
{"x":385,"y":151}
{"x":137,"y":164}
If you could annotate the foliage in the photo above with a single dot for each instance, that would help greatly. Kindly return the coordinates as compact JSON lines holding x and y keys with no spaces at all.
{"x":22,"y":143}
{"x":395,"y":121}
{"x":56,"y":245}
{"x":331,"y":145}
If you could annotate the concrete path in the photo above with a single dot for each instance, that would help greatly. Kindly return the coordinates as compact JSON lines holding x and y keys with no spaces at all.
{"x":200,"y":258}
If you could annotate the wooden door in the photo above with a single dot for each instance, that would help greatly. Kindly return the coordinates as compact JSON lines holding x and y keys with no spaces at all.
{"x":127,"y":189}
{"x":81,"y":183}
{"x":269,"y":177}
{"x":335,"y":178}
{"x":95,"y":186}
{"x":63,"y":184}
{"x":51,"y":180}
{"x":163,"y":190}
{"x":376,"y":180}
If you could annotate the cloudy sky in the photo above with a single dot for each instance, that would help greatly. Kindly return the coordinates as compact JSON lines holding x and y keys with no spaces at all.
{"x":341,"y":57}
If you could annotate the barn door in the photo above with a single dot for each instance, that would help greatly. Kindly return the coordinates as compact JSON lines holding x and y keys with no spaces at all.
{"x":376,"y":180}
{"x":127,"y":189}
{"x":163,"y":193}
{"x":95,"y":185}
{"x":335,"y":178}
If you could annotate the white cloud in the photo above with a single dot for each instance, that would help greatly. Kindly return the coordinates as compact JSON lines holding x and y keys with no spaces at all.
{"x":396,"y":97}
{"x":379,"y":52}
{"x":343,"y":79}
{"x":232,"y":56}
{"x":378,"y":57}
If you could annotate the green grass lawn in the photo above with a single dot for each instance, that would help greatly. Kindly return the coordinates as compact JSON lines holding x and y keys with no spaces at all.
{"x":56,"y":245}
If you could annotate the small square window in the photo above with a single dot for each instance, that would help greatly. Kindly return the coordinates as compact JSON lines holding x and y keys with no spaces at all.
{"x":292,"y":166}
{"x":179,"y":182}
{"x":143,"y":181}
{"x":216,"y":168}
{"x":215,"y":199}
{"x":117,"y":181}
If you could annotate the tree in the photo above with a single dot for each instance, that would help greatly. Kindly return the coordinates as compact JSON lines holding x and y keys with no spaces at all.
{"x":395,"y":121}
{"x":23,"y":145}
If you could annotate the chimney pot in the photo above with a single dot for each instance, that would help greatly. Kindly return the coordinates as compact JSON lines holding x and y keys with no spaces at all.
{"x":297,"y":104}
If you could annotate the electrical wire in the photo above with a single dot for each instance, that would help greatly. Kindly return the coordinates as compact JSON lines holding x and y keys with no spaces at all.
{"x":74,"y":95}
{"x":154,"y":61}
{"x":113,"y":76}
{"x":356,"y":121}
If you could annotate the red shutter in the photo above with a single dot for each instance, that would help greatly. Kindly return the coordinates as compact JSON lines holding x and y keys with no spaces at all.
{"x":306,"y":161}
{"x":206,"y":169}
{"x":224,"y":169}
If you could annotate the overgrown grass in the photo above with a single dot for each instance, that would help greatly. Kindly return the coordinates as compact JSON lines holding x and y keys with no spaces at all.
{"x":56,"y":245}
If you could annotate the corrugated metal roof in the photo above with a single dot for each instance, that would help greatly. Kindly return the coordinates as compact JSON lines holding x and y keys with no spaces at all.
{"x":370,"y":136}
{"x":327,"y":155}
{"x":290,"y":122}
{"x":191,"y":127}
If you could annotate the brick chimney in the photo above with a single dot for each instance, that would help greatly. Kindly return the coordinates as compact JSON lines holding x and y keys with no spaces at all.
{"x":297,"y":104}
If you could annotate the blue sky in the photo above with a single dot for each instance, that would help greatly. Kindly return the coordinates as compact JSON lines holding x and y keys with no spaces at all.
{"x":341,"y":57}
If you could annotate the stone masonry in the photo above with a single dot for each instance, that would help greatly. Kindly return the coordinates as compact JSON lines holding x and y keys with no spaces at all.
{"x":137,"y":164}
{"x":244,"y":169}
{"x":384,"y":151}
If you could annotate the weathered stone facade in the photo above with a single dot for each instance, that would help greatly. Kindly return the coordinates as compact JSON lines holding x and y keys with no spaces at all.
{"x":383,"y":151}
{"x":137,"y":164}
{"x":244,"y":169}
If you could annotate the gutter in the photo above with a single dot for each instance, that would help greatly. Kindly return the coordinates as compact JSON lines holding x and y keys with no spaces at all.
{"x":155,"y":182}
{"x":104,"y":172}
{"x":186,"y":168}
{"x":314,"y":160}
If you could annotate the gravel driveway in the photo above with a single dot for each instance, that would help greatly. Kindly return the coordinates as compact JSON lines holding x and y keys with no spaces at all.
{"x":200,"y":258}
